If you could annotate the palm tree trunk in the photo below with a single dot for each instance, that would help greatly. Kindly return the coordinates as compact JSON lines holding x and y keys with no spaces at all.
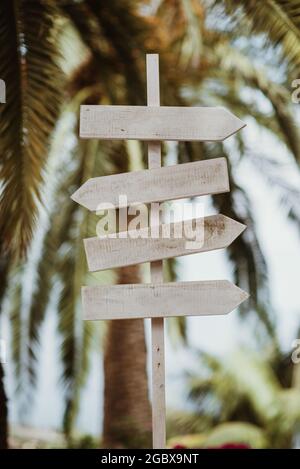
{"x":127,"y":414}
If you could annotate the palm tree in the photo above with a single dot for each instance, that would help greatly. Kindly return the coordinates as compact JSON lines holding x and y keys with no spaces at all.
{"x":28,"y":59}
{"x":199,"y":65}
{"x":99,"y":72}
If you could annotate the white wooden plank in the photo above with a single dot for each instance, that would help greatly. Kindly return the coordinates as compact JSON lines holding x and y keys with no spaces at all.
{"x":155,"y":185}
{"x":156,"y":268}
{"x":158,"y":382}
{"x":158,"y":123}
{"x":213,"y":232}
{"x":215,"y":297}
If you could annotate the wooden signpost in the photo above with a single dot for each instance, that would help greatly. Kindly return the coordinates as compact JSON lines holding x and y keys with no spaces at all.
{"x":158,"y":300}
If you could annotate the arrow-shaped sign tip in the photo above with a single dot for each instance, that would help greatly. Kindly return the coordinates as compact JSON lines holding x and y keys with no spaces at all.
{"x":238,"y":295}
{"x":78,"y":195}
{"x":232,"y":124}
{"x":235,"y":228}
{"x":75,"y":196}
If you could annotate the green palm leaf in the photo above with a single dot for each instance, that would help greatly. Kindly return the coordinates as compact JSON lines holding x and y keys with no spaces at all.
{"x":28,"y":64}
{"x":238,"y":71}
{"x":279,"y":20}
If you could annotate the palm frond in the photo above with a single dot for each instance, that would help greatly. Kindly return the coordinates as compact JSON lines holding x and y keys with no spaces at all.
{"x":28,"y":64}
{"x":70,"y":331}
{"x":118,"y":56}
{"x":234,"y":80}
{"x":5,"y":266}
{"x":277,"y":20}
{"x":77,"y":334}
{"x":250,"y":268}
{"x":239,"y":67}
{"x":46,"y":276}
{"x":184,"y":21}
{"x":17,"y":331}
{"x":289,"y":193}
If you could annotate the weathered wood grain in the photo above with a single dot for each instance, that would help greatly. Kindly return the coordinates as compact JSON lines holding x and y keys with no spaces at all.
{"x":155,"y":185}
{"x":156,"y":268}
{"x":213,"y":232}
{"x":158,"y":123}
{"x":216,"y":297}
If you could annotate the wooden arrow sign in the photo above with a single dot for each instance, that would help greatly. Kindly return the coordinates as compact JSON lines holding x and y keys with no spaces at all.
{"x":158,"y":123}
{"x":205,"y":234}
{"x":158,"y":300}
{"x":215,"y":297}
{"x":155,"y":185}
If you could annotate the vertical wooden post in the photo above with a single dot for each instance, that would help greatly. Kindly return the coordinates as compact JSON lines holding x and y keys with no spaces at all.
{"x":157,"y":324}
